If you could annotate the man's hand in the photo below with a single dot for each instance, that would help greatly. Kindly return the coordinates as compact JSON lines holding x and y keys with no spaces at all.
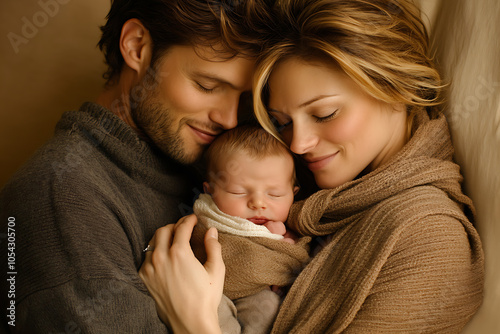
{"x":187,"y":293}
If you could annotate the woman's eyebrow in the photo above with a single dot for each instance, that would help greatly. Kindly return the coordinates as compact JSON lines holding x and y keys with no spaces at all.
{"x":316,"y":98}
{"x":308,"y":102}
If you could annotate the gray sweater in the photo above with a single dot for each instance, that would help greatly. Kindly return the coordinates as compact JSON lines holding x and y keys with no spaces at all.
{"x":85,"y":206}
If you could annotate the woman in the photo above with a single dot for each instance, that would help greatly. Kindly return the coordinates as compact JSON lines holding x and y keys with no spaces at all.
{"x":349,"y":87}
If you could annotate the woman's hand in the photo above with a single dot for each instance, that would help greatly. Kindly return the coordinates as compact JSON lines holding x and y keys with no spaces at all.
{"x":187,"y":293}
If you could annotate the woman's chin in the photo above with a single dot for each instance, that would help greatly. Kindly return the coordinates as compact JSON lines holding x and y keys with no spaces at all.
{"x":324,"y":182}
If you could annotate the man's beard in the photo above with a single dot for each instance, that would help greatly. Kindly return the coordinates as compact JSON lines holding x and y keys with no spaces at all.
{"x":156,"y":121}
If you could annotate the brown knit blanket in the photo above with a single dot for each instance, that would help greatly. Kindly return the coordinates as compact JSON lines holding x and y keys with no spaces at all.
{"x":400,"y":255}
{"x":254,"y":263}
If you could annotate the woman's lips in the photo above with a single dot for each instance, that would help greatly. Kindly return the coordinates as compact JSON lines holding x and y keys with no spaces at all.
{"x":319,"y":162}
{"x":205,"y":136}
{"x":258,"y":220}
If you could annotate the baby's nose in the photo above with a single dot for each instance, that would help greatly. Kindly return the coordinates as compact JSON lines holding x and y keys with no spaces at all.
{"x":257,"y":203}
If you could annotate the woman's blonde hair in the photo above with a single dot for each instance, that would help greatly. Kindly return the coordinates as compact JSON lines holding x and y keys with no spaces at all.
{"x":380,"y":44}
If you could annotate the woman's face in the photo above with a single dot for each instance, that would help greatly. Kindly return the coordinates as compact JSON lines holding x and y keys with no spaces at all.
{"x":338,"y":129}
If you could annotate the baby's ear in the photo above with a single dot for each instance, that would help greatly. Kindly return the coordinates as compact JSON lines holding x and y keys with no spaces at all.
{"x":296,"y":190}
{"x":206,"y":188}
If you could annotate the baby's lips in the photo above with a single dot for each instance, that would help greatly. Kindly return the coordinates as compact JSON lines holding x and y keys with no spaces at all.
{"x":258,"y":220}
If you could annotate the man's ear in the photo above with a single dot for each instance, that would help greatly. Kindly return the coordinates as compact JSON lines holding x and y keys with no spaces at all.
{"x":136,"y":46}
{"x":296,"y":190}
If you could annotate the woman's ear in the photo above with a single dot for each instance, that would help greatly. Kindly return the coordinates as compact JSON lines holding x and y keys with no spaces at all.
{"x":296,"y":190}
{"x":136,"y":46}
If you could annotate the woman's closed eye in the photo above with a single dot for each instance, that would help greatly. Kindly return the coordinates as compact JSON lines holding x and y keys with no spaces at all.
{"x":320,"y":119}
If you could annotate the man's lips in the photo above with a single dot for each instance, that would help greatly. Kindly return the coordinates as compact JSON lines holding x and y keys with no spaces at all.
{"x":205,"y":135}
{"x":258,"y":220}
{"x":317,"y":163}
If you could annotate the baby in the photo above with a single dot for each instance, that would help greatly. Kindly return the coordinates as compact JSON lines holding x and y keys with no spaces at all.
{"x":250,"y":189}
{"x":251,"y":176}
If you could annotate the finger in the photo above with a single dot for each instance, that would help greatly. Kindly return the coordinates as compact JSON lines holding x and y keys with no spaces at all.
{"x":184,"y":229}
{"x":214,"y":264}
{"x":147,"y":255}
{"x":161,"y":240}
{"x":147,"y":267}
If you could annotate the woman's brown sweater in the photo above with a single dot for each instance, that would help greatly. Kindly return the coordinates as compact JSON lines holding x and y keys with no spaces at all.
{"x":399,"y":255}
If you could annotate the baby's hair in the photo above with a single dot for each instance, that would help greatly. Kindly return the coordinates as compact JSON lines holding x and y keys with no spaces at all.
{"x":250,"y":139}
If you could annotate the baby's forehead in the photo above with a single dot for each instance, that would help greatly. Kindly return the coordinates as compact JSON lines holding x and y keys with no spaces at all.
{"x":241,"y":167}
{"x":242,"y":156}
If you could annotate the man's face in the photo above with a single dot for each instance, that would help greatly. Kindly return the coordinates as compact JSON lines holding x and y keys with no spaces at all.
{"x":195,"y":98}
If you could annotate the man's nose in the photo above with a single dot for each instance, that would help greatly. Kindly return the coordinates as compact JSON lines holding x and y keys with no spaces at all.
{"x":226,"y":113}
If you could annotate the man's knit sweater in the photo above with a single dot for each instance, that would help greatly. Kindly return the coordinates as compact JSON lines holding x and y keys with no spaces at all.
{"x":85,"y":206}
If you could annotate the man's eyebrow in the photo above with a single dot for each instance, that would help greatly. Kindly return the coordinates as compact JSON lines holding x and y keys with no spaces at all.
{"x":215,"y":77}
{"x":314,"y":99}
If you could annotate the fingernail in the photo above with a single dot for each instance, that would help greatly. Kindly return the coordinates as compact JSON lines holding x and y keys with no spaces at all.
{"x":212,"y":233}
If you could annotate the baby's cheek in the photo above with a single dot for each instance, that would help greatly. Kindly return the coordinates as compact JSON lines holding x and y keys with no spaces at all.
{"x":281,"y":211}
{"x":229,"y":205}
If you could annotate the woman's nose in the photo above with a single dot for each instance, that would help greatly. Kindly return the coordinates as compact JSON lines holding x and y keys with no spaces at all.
{"x":303,"y":139}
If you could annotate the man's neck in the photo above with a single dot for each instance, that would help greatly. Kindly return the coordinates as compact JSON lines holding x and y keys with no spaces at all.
{"x":116,"y":98}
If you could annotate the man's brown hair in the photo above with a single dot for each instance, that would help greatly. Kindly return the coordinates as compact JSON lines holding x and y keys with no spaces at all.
{"x":233,"y":27}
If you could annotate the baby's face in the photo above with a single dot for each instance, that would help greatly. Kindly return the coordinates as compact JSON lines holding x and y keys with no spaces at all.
{"x":257,"y":190}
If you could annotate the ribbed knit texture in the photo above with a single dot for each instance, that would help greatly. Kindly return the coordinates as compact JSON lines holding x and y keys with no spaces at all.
{"x":399,"y":255}
{"x":86,"y":205}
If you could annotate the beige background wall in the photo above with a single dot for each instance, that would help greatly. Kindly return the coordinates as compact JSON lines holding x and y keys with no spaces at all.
{"x":52,"y":66}
{"x":59,"y":67}
{"x":466,"y":37}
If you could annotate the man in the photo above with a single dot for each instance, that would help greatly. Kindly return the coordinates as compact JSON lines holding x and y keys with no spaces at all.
{"x":87,"y":203}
